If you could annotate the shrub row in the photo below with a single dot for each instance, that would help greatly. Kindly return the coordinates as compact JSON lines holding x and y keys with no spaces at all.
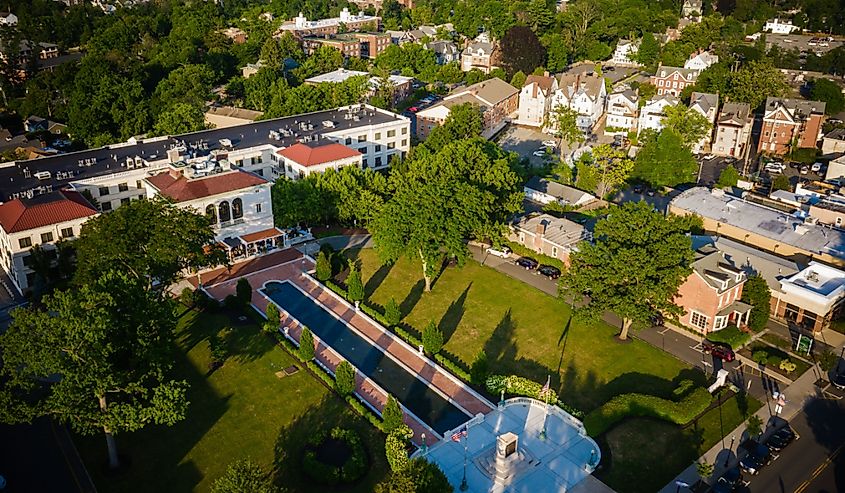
{"x":323,"y":374}
{"x":453,"y":367}
{"x":731,"y":336}
{"x":515,"y":385}
{"x":337,"y":289}
{"x":365,"y":411}
{"x":625,"y":405}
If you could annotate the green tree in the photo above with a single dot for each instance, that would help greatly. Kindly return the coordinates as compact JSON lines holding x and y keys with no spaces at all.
{"x":521,"y":50}
{"x":664,"y":160}
{"x":116,"y":240}
{"x":190,"y":84}
{"x":271,"y":325}
{"x":392,"y":416}
{"x":243,"y":291}
{"x":432,"y":338}
{"x":609,"y":168}
{"x":324,"y":267}
{"x":704,"y":469}
{"x":392,"y":312}
{"x":344,"y":378}
{"x":306,"y":345}
{"x":756,"y":293}
{"x":325,"y":59}
{"x":563,"y":121}
{"x":518,"y":79}
{"x":648,"y":51}
{"x":480,"y":368}
{"x":421,"y":476}
{"x":754,"y":82}
{"x":754,"y":426}
{"x":271,"y":54}
{"x":781,"y":182}
{"x":181,"y":118}
{"x":110,"y":341}
{"x":540,"y":16}
{"x":690,"y":125}
{"x":244,"y":476}
{"x":634,"y":267}
{"x":396,"y":448}
{"x":354,"y":285}
{"x":468,"y":188}
{"x":828,"y":92}
{"x":728,"y":177}
{"x":463,"y":122}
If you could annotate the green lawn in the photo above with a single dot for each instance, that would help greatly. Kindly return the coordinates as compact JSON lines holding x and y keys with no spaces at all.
{"x":522,"y":331}
{"x":240,"y":410}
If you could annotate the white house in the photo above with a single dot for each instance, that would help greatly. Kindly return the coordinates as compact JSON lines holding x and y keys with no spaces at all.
{"x":479,"y":55}
{"x":692,"y":8}
{"x":41,"y":220}
{"x":621,"y":113}
{"x":535,"y":99}
{"x":707,"y":105}
{"x":301,"y":160}
{"x":8,"y":19}
{"x":586,"y":94}
{"x":700,"y":60}
{"x":542,"y":191}
{"x":624,"y":53}
{"x":780,"y":26}
{"x":652,"y":114}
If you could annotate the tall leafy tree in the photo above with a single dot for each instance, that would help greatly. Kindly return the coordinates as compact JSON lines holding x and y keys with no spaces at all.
{"x":563,"y":121}
{"x":244,"y":476}
{"x":755,"y":81}
{"x":634,"y":267}
{"x":690,"y":125}
{"x":139,"y":238}
{"x":181,"y":118}
{"x":521,"y":50}
{"x":606,"y":168}
{"x":467,"y":189}
{"x":664,"y":160}
{"x":95,"y":357}
{"x":829,"y":92}
{"x":648,"y":51}
{"x":756,"y":293}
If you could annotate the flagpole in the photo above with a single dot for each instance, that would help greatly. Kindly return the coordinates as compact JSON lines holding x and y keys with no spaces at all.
{"x":464,"y":485}
{"x":546,"y":408}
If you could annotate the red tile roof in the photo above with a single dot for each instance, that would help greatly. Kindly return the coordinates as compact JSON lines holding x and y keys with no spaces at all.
{"x":175,"y":186}
{"x":262,"y":235}
{"x":44,"y":210}
{"x":321,"y":154}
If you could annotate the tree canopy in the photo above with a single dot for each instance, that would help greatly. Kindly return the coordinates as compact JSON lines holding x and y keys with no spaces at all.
{"x":521,"y":51}
{"x":634,"y":267}
{"x":664,"y":160}
{"x":828,"y":92}
{"x":688,"y":124}
{"x":603,"y":169}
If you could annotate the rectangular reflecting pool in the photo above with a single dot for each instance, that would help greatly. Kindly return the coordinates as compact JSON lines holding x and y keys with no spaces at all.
{"x":424,"y":402}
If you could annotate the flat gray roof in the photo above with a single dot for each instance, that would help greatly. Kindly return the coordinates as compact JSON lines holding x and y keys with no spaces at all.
{"x":761,"y":220}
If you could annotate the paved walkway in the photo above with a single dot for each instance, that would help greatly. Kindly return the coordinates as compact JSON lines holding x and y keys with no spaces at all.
{"x":449,"y":386}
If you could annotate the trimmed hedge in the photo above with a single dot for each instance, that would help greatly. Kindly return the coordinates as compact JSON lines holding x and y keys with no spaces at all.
{"x":337,"y":289}
{"x":625,"y":405}
{"x":731,"y":336}
{"x":516,"y":385}
{"x":453,"y":367}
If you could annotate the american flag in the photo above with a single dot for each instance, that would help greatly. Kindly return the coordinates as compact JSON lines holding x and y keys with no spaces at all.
{"x":546,"y":387}
{"x":456,"y":437}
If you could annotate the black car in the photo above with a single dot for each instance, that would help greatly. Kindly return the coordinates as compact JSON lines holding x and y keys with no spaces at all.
{"x":638,"y":189}
{"x":757,"y":457}
{"x":838,"y":380}
{"x":781,"y":438}
{"x":728,"y":481}
{"x":549,"y":271}
{"x":527,"y":263}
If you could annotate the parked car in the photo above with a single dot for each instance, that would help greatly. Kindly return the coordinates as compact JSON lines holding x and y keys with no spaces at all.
{"x":757,"y":457}
{"x":728,"y":481}
{"x":413,"y":109}
{"x":542,"y":153}
{"x":502,"y":251}
{"x":816,"y":167}
{"x":549,"y":143}
{"x":775,"y":167}
{"x":804,"y":169}
{"x":638,"y":189}
{"x":781,"y":438}
{"x":838,"y":380}
{"x":721,"y":351}
{"x":549,"y":271}
{"x":527,"y":263}
{"x":708,"y":156}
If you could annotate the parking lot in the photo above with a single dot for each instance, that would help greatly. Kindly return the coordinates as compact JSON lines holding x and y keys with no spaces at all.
{"x":524,"y":141}
{"x":710,"y":169}
{"x":800,"y":42}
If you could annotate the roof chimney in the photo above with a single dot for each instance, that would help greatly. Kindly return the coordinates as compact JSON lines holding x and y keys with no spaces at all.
{"x":541,"y":228}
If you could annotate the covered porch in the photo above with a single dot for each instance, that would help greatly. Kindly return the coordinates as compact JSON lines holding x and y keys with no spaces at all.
{"x":737,"y":313}
{"x":263,"y":242}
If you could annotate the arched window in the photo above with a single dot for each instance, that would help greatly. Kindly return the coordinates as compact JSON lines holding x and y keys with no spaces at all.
{"x":211,"y":213}
{"x":237,"y":209}
{"x":225,"y":216}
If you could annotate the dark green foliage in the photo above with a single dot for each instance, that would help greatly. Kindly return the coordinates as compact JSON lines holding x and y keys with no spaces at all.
{"x":392,"y":313}
{"x":392,"y":415}
{"x":350,"y":471}
{"x":354,"y":285}
{"x":217,"y":349}
{"x":829,"y":92}
{"x":243,"y":291}
{"x":306,"y":345}
{"x":731,"y":336}
{"x":420,"y":476}
{"x":756,"y":293}
{"x":344,"y":378}
{"x":324,"y":267}
{"x":728,"y":177}
{"x":665,"y":160}
{"x":781,"y":182}
{"x":432,"y":338}
{"x":186,"y":297}
{"x":827,"y":359}
{"x":271,"y":325}
{"x":480,"y":368}
{"x":754,"y":426}
{"x":396,"y":448}
{"x":244,"y":476}
{"x":521,"y":51}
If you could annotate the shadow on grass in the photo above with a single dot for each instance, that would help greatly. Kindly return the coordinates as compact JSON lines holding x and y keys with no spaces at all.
{"x":292,"y":440}
{"x":452,"y":318}
{"x":377,"y":278}
{"x":410,"y":301}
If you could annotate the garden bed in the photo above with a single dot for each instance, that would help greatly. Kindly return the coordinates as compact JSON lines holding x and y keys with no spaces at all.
{"x":336,"y":457}
{"x":731,"y":336}
{"x":773,"y":357}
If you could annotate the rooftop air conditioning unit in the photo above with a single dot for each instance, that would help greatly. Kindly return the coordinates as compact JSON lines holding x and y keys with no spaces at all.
{"x":42,"y":175}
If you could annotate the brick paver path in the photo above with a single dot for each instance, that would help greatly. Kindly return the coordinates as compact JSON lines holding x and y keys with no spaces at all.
{"x":292,"y":270}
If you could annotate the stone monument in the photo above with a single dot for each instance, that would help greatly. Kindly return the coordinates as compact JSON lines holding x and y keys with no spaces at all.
{"x":506,"y":456}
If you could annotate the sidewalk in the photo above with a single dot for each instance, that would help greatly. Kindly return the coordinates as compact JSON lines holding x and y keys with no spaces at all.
{"x":797,"y":394}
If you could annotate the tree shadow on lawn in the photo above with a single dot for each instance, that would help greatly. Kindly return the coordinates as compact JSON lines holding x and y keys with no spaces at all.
{"x":413,"y":297}
{"x":377,"y":278}
{"x":453,"y":315}
{"x":243,"y":340}
{"x":327,"y":414}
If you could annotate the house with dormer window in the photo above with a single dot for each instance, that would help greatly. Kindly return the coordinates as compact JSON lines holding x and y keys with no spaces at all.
{"x":790,"y":122}
{"x":673,"y":80}
{"x":710,"y":296}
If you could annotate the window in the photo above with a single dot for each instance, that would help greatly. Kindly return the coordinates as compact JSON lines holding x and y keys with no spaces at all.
{"x":258,"y":208}
{"x":259,"y":172}
{"x":348,"y":140}
{"x":698,"y":320}
{"x":27,"y":260}
{"x":790,"y":313}
{"x":104,"y":191}
{"x":378,"y":136}
{"x":30,"y":278}
{"x":67,"y":232}
{"x":404,"y":142}
{"x":377,"y":149}
{"x":378,"y":162}
{"x":239,"y":163}
{"x":364,"y":162}
{"x":391,"y":145}
{"x":839,"y":221}
{"x":105,"y":206}
{"x":123,"y":187}
{"x":138,"y":184}
{"x":211,"y":213}
{"x":522,"y":237}
{"x":808,"y":321}
{"x":237,"y":209}
{"x":362,"y":138}
{"x":125,"y":200}
{"x":391,"y":133}
{"x":720,"y":323}
{"x":225,"y":213}
{"x":404,"y":130}
{"x":47,"y":237}
{"x":554,"y":251}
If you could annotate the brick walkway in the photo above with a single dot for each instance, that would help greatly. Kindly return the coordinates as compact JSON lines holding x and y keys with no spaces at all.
{"x":292,"y":270}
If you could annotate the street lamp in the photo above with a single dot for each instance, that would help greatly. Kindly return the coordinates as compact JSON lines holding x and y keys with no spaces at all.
{"x":424,"y":446}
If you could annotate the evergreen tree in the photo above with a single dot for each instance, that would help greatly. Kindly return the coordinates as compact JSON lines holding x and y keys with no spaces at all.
{"x":344,"y":378}
{"x":392,"y":313}
{"x":354,"y":285}
{"x":480,"y":368}
{"x":306,"y":345}
{"x":271,"y":325}
{"x":243,"y":291}
{"x":324,"y":267}
{"x":756,"y":293}
{"x":392,"y":416}
{"x":432,"y":338}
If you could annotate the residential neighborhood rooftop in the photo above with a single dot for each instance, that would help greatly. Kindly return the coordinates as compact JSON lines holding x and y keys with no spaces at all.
{"x":44,"y":210}
{"x":561,"y":232}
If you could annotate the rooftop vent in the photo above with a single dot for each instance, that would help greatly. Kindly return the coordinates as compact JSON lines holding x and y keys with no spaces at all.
{"x":42,"y":175}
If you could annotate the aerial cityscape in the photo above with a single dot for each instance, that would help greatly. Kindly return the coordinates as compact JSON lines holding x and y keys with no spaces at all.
{"x":422,"y":246}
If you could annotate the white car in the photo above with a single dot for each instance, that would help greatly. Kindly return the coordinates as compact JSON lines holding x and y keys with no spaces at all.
{"x":816,"y":167}
{"x":775,"y":167}
{"x":708,"y":156}
{"x":549,"y":143}
{"x":503,"y":252}
{"x":541,"y":153}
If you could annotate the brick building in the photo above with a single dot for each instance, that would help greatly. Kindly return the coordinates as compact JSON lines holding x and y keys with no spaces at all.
{"x":788,"y":122}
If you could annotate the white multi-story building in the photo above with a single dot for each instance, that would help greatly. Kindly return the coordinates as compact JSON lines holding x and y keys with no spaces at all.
{"x":621,"y":113}
{"x":625,"y":52}
{"x":652,"y":114}
{"x":535,"y":99}
{"x":707,"y":105}
{"x":700,"y":60}
{"x":780,"y":26}
{"x":42,"y":221}
{"x":301,"y":26}
{"x":586,"y":94}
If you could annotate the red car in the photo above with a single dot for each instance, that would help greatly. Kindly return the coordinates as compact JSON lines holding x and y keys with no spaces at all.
{"x":413,"y":109}
{"x":720,"y":351}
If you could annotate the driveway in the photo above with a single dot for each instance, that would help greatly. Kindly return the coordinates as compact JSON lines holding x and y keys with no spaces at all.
{"x":508,"y":267}
{"x":524,"y":141}
{"x":658,"y":201}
